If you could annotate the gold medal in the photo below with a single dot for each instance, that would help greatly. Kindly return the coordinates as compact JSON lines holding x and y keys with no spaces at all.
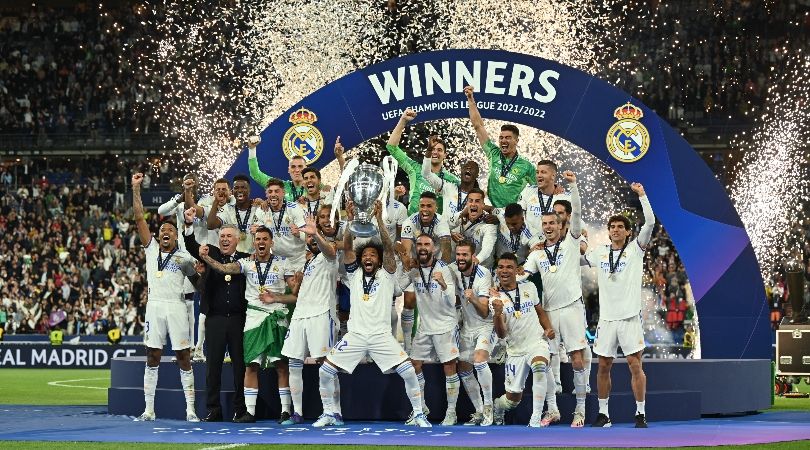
{"x":517,"y":314}
{"x":228,"y":277}
{"x":262,"y":290}
{"x":502,"y":179}
{"x":242,"y":236}
{"x":159,"y":274}
{"x":365,"y":297}
{"x":553,"y":268}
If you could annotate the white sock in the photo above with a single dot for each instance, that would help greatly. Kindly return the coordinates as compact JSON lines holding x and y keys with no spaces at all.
{"x":250,"y":400}
{"x":555,"y":368}
{"x":327,"y":375}
{"x":187,"y":380}
{"x":336,"y":397}
{"x":190,"y":315}
{"x":150,"y":378}
{"x":200,"y":331}
{"x":297,"y":385}
{"x":551,"y":394}
{"x":473,"y":389}
{"x":587,"y":358}
{"x":412,"y":388}
{"x":420,"y":377}
{"x":485,"y":380}
{"x":603,"y":406}
{"x":451,"y":385}
{"x":407,"y":327}
{"x":286,"y":399}
{"x":505,"y":404}
{"x":579,"y":389}
{"x":539,"y":385}
{"x":640,"y":408}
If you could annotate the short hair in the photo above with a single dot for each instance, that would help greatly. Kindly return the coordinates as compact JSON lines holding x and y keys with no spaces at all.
{"x":510,"y":127}
{"x":274,"y":182}
{"x":548,"y":162}
{"x":432,"y":238}
{"x":565,"y":204}
{"x":189,"y":176}
{"x":241,"y":177}
{"x":311,"y":170}
{"x":512,"y":210}
{"x":619,"y":218}
{"x":230,"y":225}
{"x":298,"y":157}
{"x":508,"y":256}
{"x":477,"y":190}
{"x":433,"y":140}
{"x":170,"y":221}
{"x":428,"y":194}
{"x":551,"y":213}
{"x":377,"y":248}
{"x":222,"y":180}
{"x":466,"y":243}
{"x":264,"y":229}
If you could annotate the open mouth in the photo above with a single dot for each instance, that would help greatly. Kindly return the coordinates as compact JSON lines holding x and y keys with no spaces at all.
{"x":468,"y":174}
{"x":368,"y":266}
{"x":165,"y":238}
{"x":240,"y":196}
{"x":261,"y":247}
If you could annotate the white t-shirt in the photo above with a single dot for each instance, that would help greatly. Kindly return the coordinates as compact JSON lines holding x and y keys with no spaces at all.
{"x":437,"y":307}
{"x":373,"y":315}
{"x":318,"y":288}
{"x":619,"y":296}
{"x":485,"y":236}
{"x":519,"y":244}
{"x":523,"y":329}
{"x":274,"y":282}
{"x":534,"y":205}
{"x":563,"y":287}
{"x":412,"y":229}
{"x":313,"y":206}
{"x":169,"y":286}
{"x":481,"y":282}
{"x":285,"y":243}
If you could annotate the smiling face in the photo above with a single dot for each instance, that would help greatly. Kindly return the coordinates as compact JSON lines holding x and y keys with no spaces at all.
{"x":427,"y":209}
{"x":507,"y":141}
{"x":506,"y":271}
{"x":424,"y":249}
{"x":262,"y":242}
{"x":476,"y":203}
{"x":222,"y":192}
{"x":275,"y":196}
{"x":551,"y":226}
{"x":241,"y":191}
{"x":312,"y":183}
{"x":228,"y":238}
{"x":546,"y":175}
{"x":618,"y":233}
{"x":463,"y":257}
{"x":167,"y":237}
{"x":469,"y":172}
{"x":370,"y":260}
{"x":438,"y":153}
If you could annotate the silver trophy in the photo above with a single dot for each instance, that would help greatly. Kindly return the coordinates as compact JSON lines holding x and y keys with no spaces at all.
{"x":364,"y":187}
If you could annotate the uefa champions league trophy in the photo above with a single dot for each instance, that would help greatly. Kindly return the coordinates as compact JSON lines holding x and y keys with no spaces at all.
{"x":364,"y":187}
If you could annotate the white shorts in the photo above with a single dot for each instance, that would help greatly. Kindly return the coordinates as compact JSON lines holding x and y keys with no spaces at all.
{"x":310,"y":336}
{"x":476,"y":339}
{"x":190,"y":315}
{"x":446,"y":345}
{"x":164,"y":318}
{"x":612,"y":334}
{"x":569,"y":327}
{"x":382,"y":348}
{"x":517,"y":368}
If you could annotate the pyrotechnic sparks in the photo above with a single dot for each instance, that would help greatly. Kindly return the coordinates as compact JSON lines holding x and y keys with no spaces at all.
{"x":771,"y":182}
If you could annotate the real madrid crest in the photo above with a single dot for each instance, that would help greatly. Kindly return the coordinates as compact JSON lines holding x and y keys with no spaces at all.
{"x":628,"y":140}
{"x":303,"y":139}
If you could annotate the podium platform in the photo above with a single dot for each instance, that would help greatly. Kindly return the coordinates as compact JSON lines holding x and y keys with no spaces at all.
{"x":676,"y":390}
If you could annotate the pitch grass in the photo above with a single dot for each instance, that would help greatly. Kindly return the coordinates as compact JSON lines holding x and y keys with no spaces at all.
{"x":30,"y":387}
{"x":133,"y":446}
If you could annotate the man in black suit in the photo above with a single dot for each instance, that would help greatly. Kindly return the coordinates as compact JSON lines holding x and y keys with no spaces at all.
{"x":224,"y":305}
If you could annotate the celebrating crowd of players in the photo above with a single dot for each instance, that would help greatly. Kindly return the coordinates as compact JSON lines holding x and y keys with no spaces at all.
{"x":281,"y":282}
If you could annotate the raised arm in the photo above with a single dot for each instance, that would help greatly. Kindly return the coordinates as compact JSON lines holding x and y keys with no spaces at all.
{"x":253,"y":162}
{"x":396,"y":135}
{"x":188,"y":198}
{"x":339,"y":154}
{"x":213,"y":221}
{"x":189,"y":239}
{"x":475,"y":117}
{"x":233,"y":268}
{"x":645,"y":234}
{"x":137,"y":210}
{"x":576,"y":204}
{"x":349,"y":256}
{"x":170,"y":206}
{"x":435,"y":182}
{"x":311,"y":229}
{"x":389,"y":257}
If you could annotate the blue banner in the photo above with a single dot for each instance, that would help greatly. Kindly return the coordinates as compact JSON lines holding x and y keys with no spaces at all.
{"x":605,"y":121}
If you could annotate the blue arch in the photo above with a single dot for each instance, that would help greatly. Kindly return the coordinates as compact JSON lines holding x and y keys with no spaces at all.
{"x":578,"y":107}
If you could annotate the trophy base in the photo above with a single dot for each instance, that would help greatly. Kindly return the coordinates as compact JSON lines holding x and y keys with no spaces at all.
{"x":364,"y":230}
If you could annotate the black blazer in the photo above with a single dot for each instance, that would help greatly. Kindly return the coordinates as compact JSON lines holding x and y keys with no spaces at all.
{"x":219,"y":297}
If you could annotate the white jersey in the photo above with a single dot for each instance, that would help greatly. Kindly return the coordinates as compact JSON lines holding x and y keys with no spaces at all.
{"x":232,"y":215}
{"x":274,"y":282}
{"x":518,"y":243}
{"x":484,"y":235}
{"x":371,"y":313}
{"x":318,"y":293}
{"x":312,"y":207}
{"x":481,"y":282}
{"x":413,"y":228}
{"x":397,"y":215}
{"x":535,"y":204}
{"x":437,"y":307}
{"x":563,"y":286}
{"x":523,"y":330}
{"x":285,"y":242}
{"x":172,"y":207}
{"x":619,"y":295}
{"x":201,"y":224}
{"x":166,"y":285}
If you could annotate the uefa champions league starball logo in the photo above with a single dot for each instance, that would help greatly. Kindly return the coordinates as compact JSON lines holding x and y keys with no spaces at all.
{"x":628,"y":140}
{"x":303,"y":138}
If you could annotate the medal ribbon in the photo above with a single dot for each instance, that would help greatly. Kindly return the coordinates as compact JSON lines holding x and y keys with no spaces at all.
{"x":317,"y":206}
{"x":277,"y":225}
{"x":429,"y":277}
{"x":459,"y":204}
{"x":610,"y":258}
{"x":367,"y":286}
{"x":430,"y":230}
{"x":544,"y":207}
{"x":472,"y":278}
{"x":239,"y":222}
{"x":162,"y":264}
{"x":263,"y":276}
{"x":552,"y":257}
{"x":296,"y":194}
{"x":505,"y":168}
{"x":517,"y":296}
{"x":514,"y":241}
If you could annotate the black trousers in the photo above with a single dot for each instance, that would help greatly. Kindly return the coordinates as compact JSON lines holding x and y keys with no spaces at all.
{"x":222,"y":331}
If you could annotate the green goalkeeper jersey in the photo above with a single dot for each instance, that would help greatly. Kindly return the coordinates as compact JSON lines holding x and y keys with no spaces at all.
{"x":418,"y":183}
{"x":505,"y":188}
